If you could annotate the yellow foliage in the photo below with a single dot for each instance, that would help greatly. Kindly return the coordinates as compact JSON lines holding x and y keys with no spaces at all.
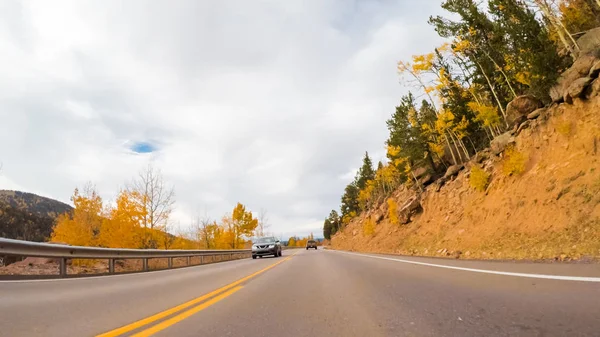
{"x":486,"y":114}
{"x":514,"y":163}
{"x":479,"y":179}
{"x":393,"y":211}
{"x":81,"y":227}
{"x":123,"y":228}
{"x":365,"y":195}
{"x":369,"y":227}
{"x":461,"y":45}
{"x":348,"y":217}
{"x":523,"y":78}
{"x":292,"y":242}
{"x":422,"y":63}
{"x":393,"y":151}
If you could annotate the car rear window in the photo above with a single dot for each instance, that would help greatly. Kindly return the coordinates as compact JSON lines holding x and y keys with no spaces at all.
{"x":311,"y":241}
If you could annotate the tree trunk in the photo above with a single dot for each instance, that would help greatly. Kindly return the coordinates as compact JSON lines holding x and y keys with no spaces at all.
{"x":493,"y":92}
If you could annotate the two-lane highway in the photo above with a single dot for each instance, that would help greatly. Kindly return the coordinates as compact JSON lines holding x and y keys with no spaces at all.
{"x":314,"y":293}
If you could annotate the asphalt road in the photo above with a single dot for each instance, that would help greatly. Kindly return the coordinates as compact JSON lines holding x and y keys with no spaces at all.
{"x":313,"y":293}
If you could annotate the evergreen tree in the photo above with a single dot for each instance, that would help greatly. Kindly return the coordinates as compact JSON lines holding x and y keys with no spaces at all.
{"x":365,"y":173}
{"x":350,"y":207}
{"x":334,"y":221}
{"x":533,"y":63}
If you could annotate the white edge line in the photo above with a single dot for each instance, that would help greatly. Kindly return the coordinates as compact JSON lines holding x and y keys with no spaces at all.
{"x":134,"y":273}
{"x":483,"y":271}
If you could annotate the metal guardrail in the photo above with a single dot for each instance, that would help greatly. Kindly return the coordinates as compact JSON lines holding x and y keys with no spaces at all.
{"x":64,"y":252}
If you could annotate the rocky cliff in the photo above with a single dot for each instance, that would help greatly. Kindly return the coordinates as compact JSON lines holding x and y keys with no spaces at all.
{"x":540,"y":195}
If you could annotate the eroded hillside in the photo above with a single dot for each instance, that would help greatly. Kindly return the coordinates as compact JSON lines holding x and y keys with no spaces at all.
{"x":551,"y":210}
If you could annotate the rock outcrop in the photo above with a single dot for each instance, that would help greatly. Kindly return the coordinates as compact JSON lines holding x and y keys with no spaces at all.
{"x":586,"y":65}
{"x":518,"y":109}
{"x":408,"y":210}
{"x":499,"y":144}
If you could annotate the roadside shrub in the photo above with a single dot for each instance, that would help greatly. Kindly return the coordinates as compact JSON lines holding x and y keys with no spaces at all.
{"x":393,"y":211}
{"x":479,"y":179}
{"x":368,"y":227}
{"x":514,"y":163}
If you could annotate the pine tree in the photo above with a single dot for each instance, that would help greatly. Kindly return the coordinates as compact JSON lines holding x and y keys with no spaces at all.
{"x":350,"y":207}
{"x":327,"y":229}
{"x":365,"y":173}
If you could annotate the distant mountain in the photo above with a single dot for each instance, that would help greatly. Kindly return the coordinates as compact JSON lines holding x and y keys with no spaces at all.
{"x":26,"y":216}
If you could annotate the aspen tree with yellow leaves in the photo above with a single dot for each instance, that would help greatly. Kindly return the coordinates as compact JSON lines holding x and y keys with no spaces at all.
{"x":496,"y":50}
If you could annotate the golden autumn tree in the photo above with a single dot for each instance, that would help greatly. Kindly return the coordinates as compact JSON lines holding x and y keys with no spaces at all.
{"x":157,"y":199}
{"x":241,"y":223}
{"x":122,"y":229}
{"x":80,"y":228}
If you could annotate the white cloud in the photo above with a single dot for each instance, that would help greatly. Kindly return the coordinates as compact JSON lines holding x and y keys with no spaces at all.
{"x":266,"y":103}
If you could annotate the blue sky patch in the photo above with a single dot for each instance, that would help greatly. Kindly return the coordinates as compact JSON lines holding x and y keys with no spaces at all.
{"x":143,"y":147}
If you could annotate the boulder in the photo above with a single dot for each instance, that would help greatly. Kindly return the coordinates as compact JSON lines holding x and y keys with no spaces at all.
{"x":589,"y":42}
{"x":518,"y":109}
{"x":481,"y":156}
{"x":419,"y":172}
{"x":536,"y":113}
{"x":594,"y":88}
{"x":452,"y":171}
{"x":577,"y":88}
{"x":410,"y":208}
{"x":595,"y":71}
{"x":426,"y":180}
{"x":523,"y":126}
{"x":499,"y":144}
{"x":580,"y":68}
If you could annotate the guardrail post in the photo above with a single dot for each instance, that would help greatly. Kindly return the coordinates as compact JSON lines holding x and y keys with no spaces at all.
{"x":230,"y":256}
{"x":170,"y":262}
{"x":201,"y":259}
{"x":111,"y":266}
{"x":62,"y":267}
{"x":145,"y":264}
{"x":188,"y":260}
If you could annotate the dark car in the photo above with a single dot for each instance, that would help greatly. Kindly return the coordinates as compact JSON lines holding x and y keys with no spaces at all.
{"x":266,"y":246}
{"x":311,"y":244}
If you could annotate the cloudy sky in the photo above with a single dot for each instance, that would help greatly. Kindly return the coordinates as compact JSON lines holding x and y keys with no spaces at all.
{"x":270,"y":103}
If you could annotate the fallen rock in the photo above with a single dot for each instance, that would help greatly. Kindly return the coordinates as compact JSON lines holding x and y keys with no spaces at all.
{"x":536,"y":113}
{"x":577,"y":88}
{"x":379,"y":217}
{"x":419,"y":172}
{"x":580,"y":68}
{"x":452,"y":171}
{"x":520,"y":107}
{"x":426,"y":180}
{"x":410,"y":208}
{"x":481,"y":156}
{"x":595,"y":71}
{"x":499,"y":144}
{"x":354,"y":232}
{"x":590,"y":41}
{"x":523,"y":126}
{"x":437,"y":185}
{"x":594,"y":89}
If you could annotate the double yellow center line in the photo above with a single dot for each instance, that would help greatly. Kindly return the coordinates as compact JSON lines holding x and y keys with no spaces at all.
{"x":214,"y":296}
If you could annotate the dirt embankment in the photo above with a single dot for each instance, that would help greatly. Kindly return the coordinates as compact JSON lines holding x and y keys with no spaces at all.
{"x":550,"y":211}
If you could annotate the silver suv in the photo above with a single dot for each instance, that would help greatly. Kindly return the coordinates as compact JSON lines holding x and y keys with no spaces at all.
{"x":266,"y":246}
